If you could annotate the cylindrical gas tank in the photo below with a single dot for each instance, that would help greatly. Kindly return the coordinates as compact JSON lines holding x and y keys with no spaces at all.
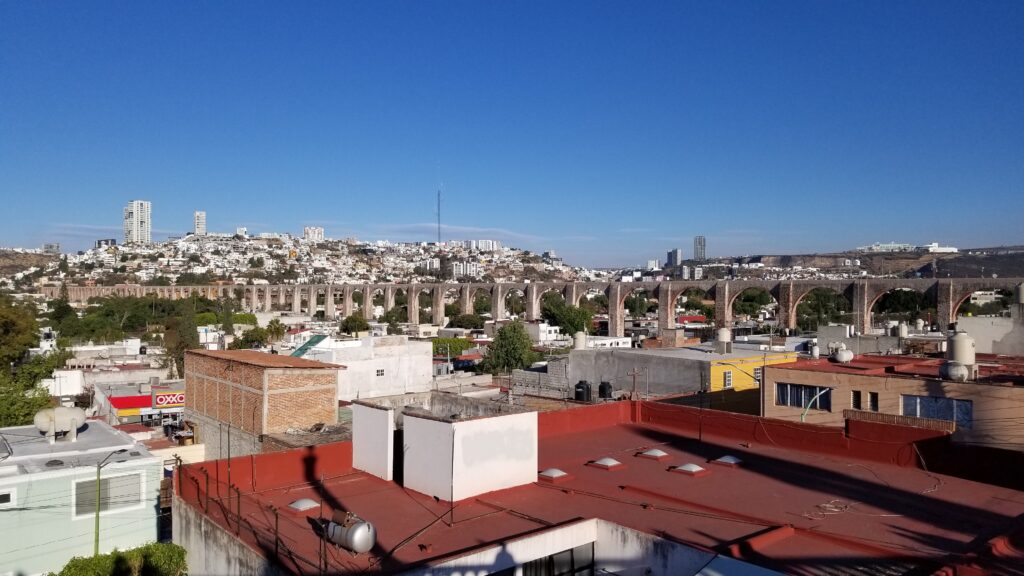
{"x":815,"y":351}
{"x":353,"y":534}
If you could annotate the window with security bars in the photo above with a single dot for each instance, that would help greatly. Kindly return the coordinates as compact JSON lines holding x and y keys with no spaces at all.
{"x":803,"y":396}
{"x":727,"y":379}
{"x":950,"y":409}
{"x":116,"y":492}
{"x":855,"y":399}
{"x":759,"y":375}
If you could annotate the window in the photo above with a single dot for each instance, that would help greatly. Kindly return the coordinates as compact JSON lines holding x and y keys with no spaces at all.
{"x":578,"y":561}
{"x":758,"y":375}
{"x":950,"y":409}
{"x":116,"y":493}
{"x":727,"y":379}
{"x":380,"y":372}
{"x":7,"y":499}
{"x":855,"y":399}
{"x":873,"y":401}
{"x":803,"y":396}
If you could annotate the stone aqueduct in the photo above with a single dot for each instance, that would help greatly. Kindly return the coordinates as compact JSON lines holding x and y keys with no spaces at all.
{"x":337,"y":299}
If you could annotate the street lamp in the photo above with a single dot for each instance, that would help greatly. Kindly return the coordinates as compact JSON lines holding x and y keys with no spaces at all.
{"x":96,"y":535}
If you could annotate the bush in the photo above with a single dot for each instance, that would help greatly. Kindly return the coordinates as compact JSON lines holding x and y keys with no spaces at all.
{"x":150,"y":560}
{"x":245,"y":318}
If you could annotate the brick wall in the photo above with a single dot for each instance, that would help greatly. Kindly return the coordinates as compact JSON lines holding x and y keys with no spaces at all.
{"x":300,"y":398}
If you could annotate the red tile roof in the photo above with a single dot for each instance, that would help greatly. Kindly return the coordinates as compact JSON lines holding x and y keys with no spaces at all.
{"x":265,"y":360}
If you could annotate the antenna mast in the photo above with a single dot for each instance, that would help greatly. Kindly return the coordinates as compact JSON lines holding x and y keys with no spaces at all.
{"x":439,"y":216}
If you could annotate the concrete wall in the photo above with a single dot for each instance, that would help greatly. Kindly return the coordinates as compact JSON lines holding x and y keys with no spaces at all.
{"x":494,"y":453}
{"x":211,"y":549}
{"x":428,"y":456}
{"x":995,"y":335}
{"x":41,"y":532}
{"x":373,"y":432}
{"x":188,"y":454}
{"x":666,"y":375}
{"x":213,"y":435}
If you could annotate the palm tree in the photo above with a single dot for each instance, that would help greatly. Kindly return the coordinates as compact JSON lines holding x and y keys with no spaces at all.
{"x":275,"y":329}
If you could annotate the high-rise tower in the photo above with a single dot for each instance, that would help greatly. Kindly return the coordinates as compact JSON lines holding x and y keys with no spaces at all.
{"x":138,"y":224}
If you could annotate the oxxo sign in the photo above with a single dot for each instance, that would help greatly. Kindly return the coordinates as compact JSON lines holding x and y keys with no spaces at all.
{"x":168,"y":399}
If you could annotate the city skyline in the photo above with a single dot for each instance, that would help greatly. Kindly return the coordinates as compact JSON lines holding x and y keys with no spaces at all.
{"x":803,"y":127}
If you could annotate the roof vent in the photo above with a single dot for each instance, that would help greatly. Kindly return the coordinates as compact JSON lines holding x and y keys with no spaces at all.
{"x":606,"y":463}
{"x":135,"y":453}
{"x":554,"y":475}
{"x":54,"y":463}
{"x":691,"y":469}
{"x":653,"y":454}
{"x":727,"y":460}
{"x":303,"y":504}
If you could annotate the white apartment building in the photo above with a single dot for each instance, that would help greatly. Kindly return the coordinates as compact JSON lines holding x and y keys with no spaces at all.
{"x":199,"y":223}
{"x":377,"y":366}
{"x":460,"y":269}
{"x":138,"y":222}
{"x":544,"y":334}
{"x":313,"y":233}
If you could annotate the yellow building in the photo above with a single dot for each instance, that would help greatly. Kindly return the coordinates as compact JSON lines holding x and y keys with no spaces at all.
{"x":742,"y":370}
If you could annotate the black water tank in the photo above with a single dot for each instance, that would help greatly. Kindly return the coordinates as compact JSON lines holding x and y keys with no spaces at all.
{"x":142,"y":350}
{"x":582,"y":391}
{"x":604,"y":390}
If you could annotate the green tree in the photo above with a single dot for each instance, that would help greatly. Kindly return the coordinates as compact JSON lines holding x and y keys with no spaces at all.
{"x":246,"y":318}
{"x":251,"y":338}
{"x":453,"y":346}
{"x":18,"y":330}
{"x":468,"y":321}
{"x":354,"y":323}
{"x":206,"y":319}
{"x":155,"y":559}
{"x":451,"y":310}
{"x":637,"y":304}
{"x":571,"y":319}
{"x":181,"y":334}
{"x":510,"y":350}
{"x":227,"y":316}
{"x":21,"y":396}
{"x":482,"y":303}
{"x":275,"y":330}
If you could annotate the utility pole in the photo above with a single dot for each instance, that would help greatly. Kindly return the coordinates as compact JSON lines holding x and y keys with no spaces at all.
{"x":438,"y":216}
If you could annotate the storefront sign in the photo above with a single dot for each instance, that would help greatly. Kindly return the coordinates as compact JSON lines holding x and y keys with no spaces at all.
{"x":168,"y":400}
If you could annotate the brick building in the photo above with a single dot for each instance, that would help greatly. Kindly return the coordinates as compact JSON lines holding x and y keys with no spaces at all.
{"x":234,"y":398}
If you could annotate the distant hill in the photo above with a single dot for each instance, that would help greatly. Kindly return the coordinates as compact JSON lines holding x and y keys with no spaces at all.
{"x":12,"y":262}
{"x":1005,"y":261}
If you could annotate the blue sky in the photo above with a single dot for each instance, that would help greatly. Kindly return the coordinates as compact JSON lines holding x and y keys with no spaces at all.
{"x":608,"y":131}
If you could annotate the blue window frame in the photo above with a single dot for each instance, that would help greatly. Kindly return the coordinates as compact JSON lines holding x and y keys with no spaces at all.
{"x":950,"y":409}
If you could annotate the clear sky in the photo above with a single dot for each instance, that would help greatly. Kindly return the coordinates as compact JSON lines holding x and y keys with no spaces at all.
{"x":608,"y":131}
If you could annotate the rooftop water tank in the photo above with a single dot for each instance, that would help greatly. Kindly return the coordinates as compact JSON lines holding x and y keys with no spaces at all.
{"x":604,"y":390}
{"x":960,"y":349}
{"x":1020,"y":294}
{"x":579,"y":341}
{"x":723,"y":335}
{"x":919,"y":324}
{"x":59,"y":420}
{"x":582,"y":391}
{"x":815,"y":351}
{"x":903,"y":330}
{"x":842,"y":355}
{"x":351,"y":532}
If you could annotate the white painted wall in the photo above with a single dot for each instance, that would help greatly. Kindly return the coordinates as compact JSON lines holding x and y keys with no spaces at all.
{"x":407,"y":366}
{"x":428,"y":456}
{"x":494,"y":453}
{"x":373,"y":440}
{"x":65,"y":382}
{"x":628,"y":552}
{"x":516,"y":552}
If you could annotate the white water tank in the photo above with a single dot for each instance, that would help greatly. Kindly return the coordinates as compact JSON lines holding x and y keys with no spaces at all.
{"x":843,"y":355}
{"x":1020,"y":294}
{"x":815,"y":351}
{"x":59,"y":420}
{"x":903,"y":330}
{"x":351,"y":532}
{"x":960,"y":348}
{"x":723,"y":335}
{"x":919,"y":325}
{"x":579,"y":340}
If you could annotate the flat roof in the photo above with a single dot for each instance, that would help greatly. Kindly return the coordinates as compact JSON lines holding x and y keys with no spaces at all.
{"x":788,"y":510}
{"x":703,"y":353}
{"x":992,"y":369}
{"x":266,"y":360}
{"x":31,"y":452}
